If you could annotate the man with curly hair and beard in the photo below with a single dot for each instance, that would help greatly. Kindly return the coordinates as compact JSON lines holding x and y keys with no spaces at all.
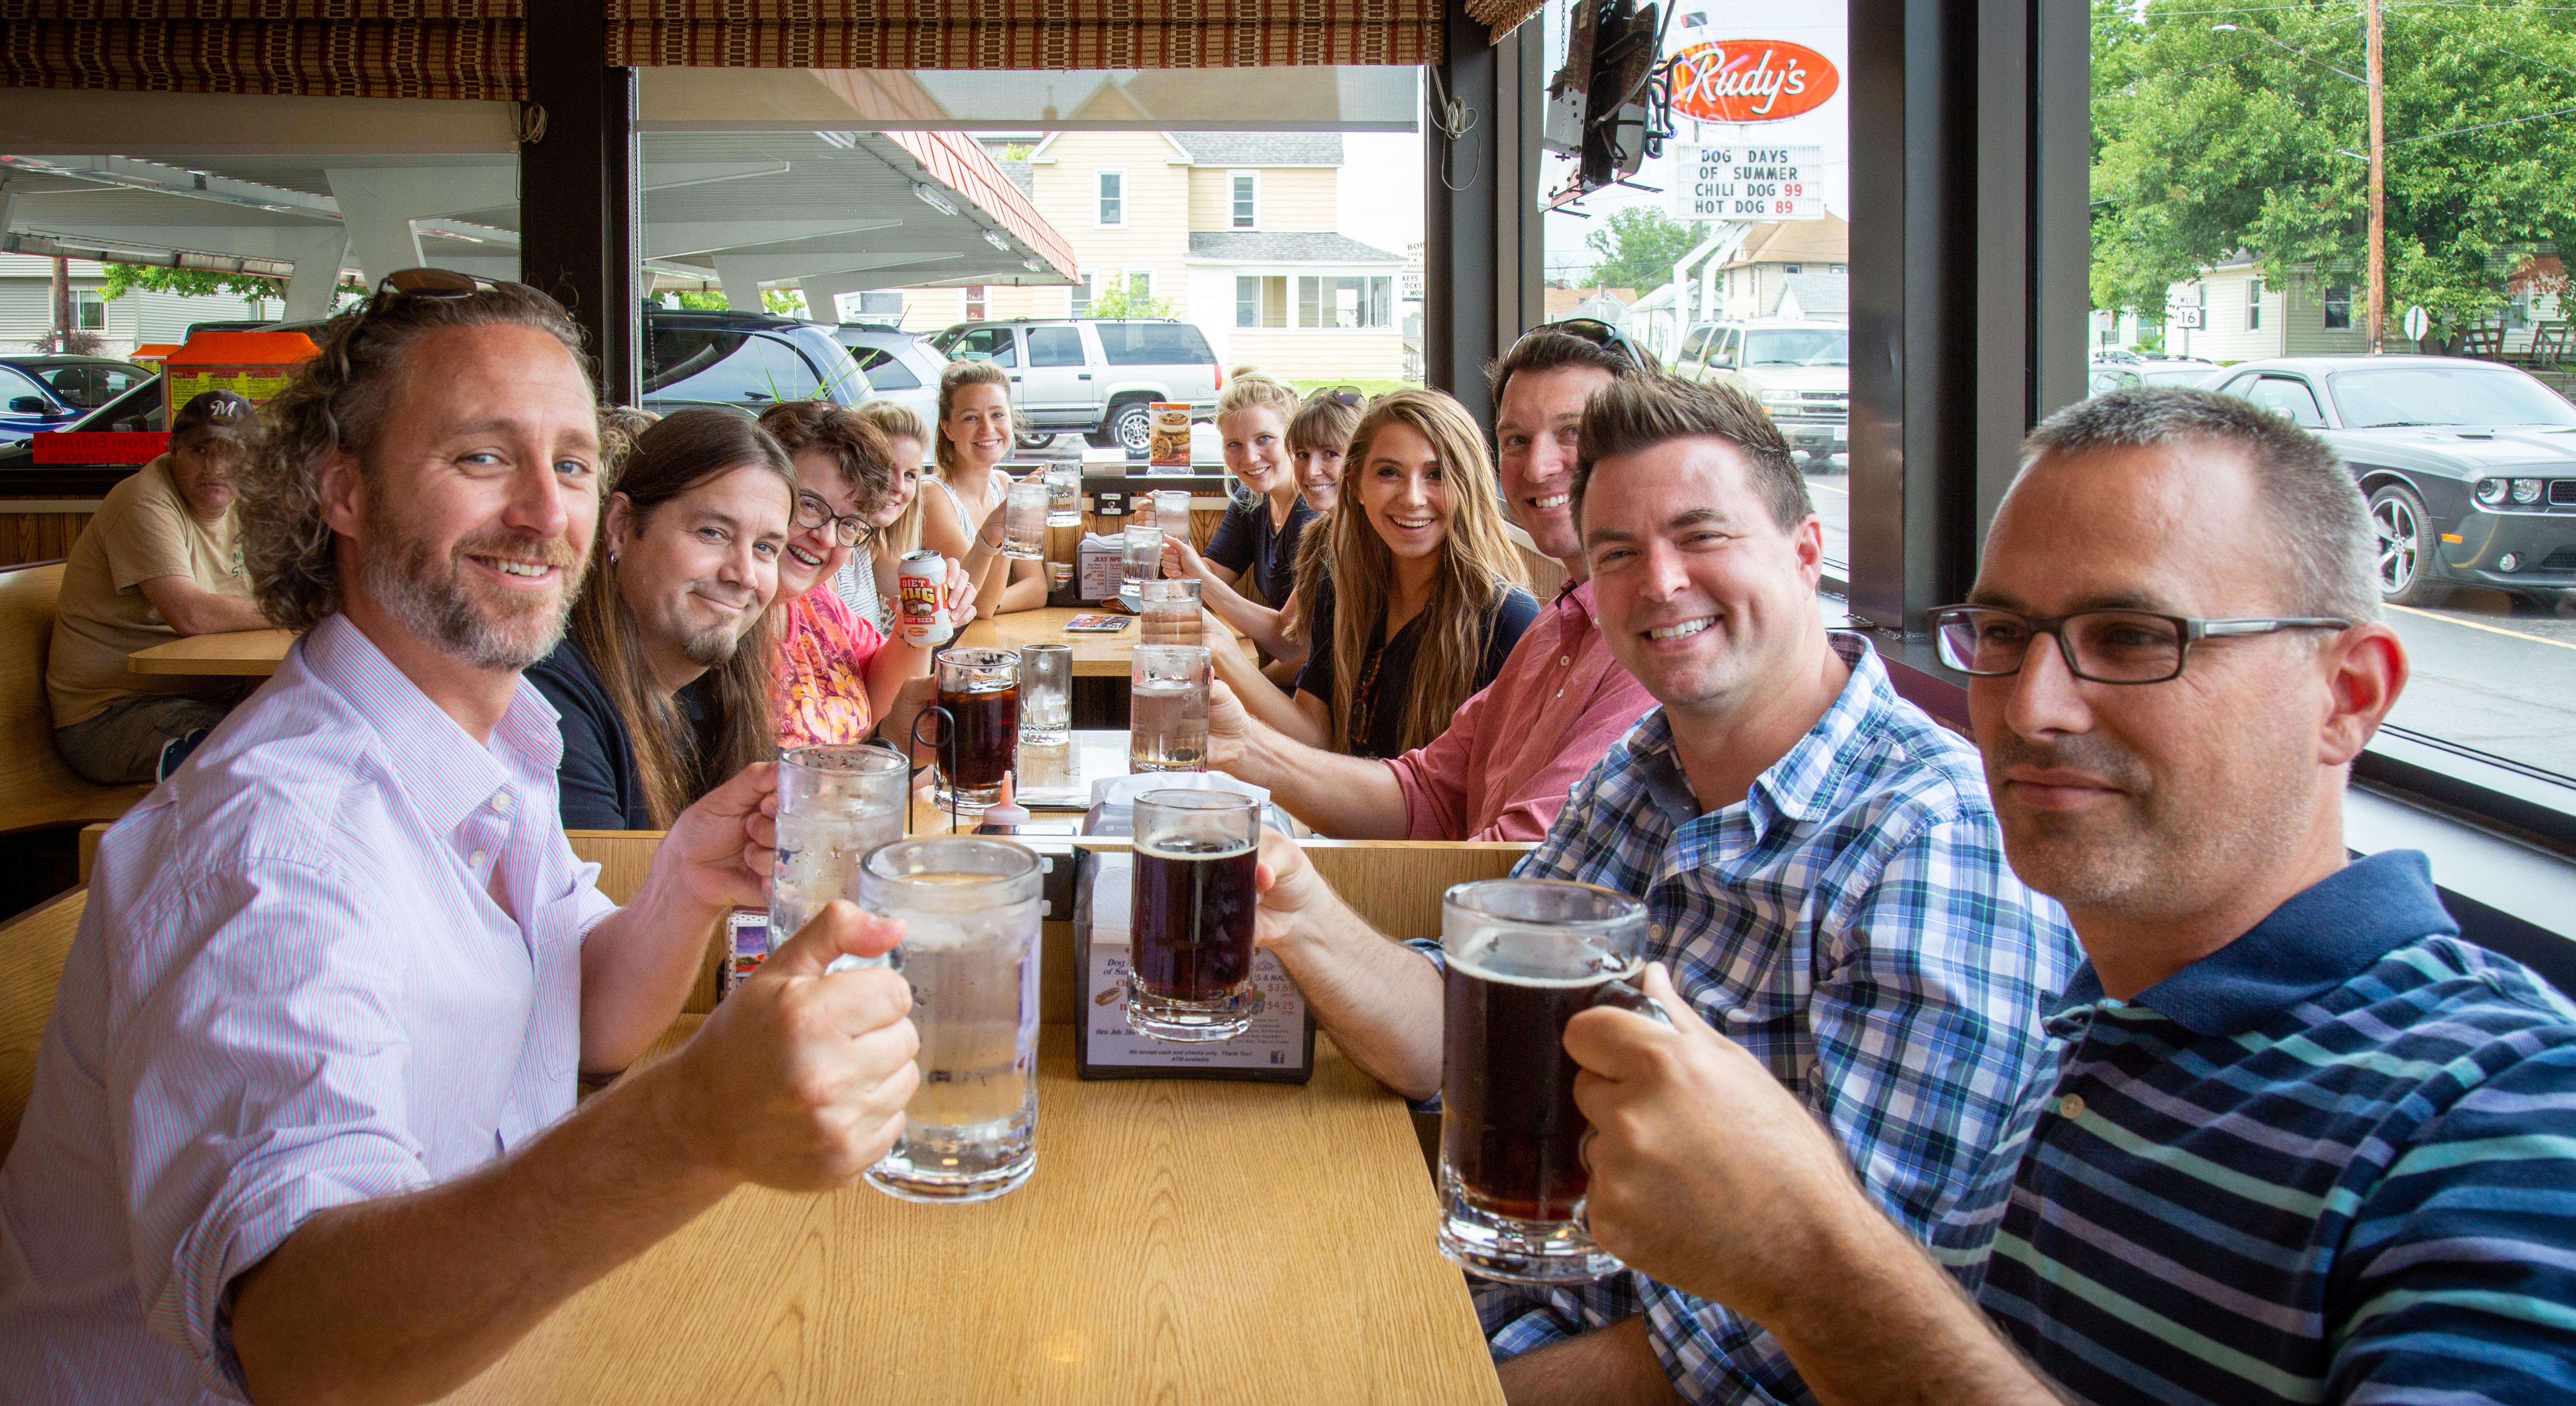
{"x":303,"y":1125}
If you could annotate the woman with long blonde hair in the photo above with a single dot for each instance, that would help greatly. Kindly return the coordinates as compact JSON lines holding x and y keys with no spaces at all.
{"x":963,"y":517}
{"x":1422,"y":598}
{"x":1255,"y":547}
{"x":867,"y":584}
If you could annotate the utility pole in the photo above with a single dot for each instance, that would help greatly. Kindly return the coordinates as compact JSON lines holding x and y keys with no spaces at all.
{"x":61,"y":297}
{"x":2378,"y":189}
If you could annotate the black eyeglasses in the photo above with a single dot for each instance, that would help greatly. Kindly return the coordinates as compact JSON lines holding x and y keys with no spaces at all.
{"x":813,"y":512}
{"x":2104,"y":646}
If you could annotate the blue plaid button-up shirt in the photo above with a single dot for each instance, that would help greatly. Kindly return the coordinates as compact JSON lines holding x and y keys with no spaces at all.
{"x":1852,"y":923}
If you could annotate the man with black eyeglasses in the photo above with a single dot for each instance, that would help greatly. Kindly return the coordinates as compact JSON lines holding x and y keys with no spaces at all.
{"x":2297,"y":1141}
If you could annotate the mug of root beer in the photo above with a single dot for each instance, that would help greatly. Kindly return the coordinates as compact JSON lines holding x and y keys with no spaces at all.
{"x":921,"y":578}
{"x":979,"y":700}
{"x":1522,"y":957}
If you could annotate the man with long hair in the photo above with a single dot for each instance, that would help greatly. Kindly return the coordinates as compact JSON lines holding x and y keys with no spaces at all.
{"x":664,"y":680}
{"x":1819,"y":861}
{"x":1501,"y":767}
{"x":303,"y":1124}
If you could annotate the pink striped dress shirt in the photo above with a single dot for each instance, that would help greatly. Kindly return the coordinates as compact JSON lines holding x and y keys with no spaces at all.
{"x":293,"y":988}
{"x":1503,"y":768}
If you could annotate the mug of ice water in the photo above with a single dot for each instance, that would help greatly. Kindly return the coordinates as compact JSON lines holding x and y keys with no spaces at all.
{"x":1167,"y":707}
{"x":834,"y":805}
{"x":970,"y":907}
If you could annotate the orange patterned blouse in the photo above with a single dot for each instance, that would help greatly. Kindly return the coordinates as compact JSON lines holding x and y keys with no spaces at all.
{"x":823,"y":657}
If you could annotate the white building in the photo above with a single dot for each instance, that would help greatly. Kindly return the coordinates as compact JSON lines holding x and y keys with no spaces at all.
{"x":120,"y":325}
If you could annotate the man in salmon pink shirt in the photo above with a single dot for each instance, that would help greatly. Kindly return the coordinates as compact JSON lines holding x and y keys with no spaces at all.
{"x":1502,"y":769}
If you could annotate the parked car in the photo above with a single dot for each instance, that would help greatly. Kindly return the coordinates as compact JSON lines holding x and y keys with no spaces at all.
{"x":2470,"y":466}
{"x":2129,"y":369}
{"x":743,"y":361}
{"x":900,"y":366}
{"x":1095,"y":375}
{"x":1800,"y":371}
{"x":739,"y":360}
{"x":139,"y":408}
{"x":42,"y":393}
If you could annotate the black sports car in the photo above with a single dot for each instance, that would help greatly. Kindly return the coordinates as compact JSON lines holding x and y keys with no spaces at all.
{"x":2470,"y":466}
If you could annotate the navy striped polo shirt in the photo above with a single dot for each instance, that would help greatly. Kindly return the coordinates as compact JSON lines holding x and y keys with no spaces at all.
{"x":2334,"y":1161}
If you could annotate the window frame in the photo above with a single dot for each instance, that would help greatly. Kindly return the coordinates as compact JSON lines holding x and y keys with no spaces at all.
{"x":1970,"y":248}
{"x":1100,"y":200}
{"x":1235,"y":217}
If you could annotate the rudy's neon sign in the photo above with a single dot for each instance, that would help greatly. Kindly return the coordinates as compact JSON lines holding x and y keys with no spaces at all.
{"x":1750,"y":80}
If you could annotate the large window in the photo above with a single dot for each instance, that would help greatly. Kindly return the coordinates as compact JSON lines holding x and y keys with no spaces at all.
{"x":1261,"y":300}
{"x":1350,"y":301}
{"x":2463,"y":461}
{"x":1113,"y":199}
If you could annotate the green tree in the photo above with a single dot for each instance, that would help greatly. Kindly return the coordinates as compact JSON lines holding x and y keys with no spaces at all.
{"x":1638,"y":245}
{"x":1120,"y":299}
{"x":2208,"y":141}
{"x":187,"y":283}
{"x":785,"y":302}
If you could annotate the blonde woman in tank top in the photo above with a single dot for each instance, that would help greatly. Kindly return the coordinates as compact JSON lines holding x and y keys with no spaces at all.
{"x":961,"y":510}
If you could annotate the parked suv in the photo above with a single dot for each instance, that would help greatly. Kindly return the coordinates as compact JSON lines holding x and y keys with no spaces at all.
{"x":900,"y":367}
{"x":1800,"y":371}
{"x":1096,"y":375}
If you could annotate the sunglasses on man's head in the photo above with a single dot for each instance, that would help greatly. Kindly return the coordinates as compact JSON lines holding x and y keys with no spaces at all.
{"x":1590,"y":329}
{"x":439,"y":283}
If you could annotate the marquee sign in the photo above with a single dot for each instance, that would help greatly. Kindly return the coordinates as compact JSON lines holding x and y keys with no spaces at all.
{"x":1750,"y":80}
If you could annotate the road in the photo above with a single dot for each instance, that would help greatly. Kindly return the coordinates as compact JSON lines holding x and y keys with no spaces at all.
{"x":2486,"y":673}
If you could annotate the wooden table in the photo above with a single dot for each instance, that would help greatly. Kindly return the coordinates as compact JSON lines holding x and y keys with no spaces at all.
{"x":1180,"y":1242}
{"x":1095,"y":656}
{"x":245,"y":653}
{"x":256,"y":653}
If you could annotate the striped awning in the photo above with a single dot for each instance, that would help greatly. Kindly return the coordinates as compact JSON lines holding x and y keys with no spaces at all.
{"x":1020,"y":34}
{"x":1502,"y":16}
{"x":478,"y":48}
{"x":299,"y":48}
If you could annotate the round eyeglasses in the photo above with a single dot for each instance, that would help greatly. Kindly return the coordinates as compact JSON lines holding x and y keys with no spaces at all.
{"x":813,"y":513}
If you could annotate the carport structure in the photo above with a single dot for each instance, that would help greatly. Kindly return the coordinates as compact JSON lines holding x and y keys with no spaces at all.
{"x":831,"y":212}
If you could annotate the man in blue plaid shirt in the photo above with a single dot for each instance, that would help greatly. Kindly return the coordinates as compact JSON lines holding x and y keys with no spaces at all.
{"x":1820,"y":862}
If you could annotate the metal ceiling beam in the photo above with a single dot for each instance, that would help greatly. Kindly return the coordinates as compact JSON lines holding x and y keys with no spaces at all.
{"x":680,"y":239}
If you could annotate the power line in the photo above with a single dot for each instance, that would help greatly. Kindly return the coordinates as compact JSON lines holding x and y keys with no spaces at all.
{"x":2484,"y":126}
{"x":2509,"y":53}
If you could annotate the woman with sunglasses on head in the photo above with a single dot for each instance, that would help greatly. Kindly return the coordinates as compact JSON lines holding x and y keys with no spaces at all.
{"x":1421,"y":598}
{"x":1258,"y":539}
{"x":838,"y":674}
{"x":867,"y":584}
{"x":962,"y":510}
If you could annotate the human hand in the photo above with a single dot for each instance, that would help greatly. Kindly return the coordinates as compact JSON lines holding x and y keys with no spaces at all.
{"x":719,"y":851}
{"x":958,"y":597}
{"x":1229,"y":727}
{"x":1706,"y":1174}
{"x":1180,"y":559}
{"x":1292,"y":894}
{"x":799,"y":1079}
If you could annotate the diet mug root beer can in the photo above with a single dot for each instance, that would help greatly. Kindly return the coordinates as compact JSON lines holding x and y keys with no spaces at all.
{"x":919,"y":579}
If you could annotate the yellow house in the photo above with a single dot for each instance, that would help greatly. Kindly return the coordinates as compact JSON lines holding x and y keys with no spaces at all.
{"x":1233,"y":231}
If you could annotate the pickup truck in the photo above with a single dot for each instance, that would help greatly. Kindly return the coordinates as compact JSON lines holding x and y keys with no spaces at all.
{"x":1094,"y":375}
{"x":1800,"y":371}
